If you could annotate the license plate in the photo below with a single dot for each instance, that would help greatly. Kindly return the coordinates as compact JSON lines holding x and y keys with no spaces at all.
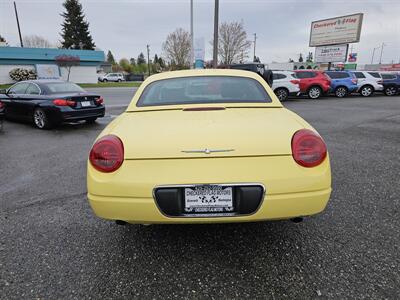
{"x":208,"y":199}
{"x":86,"y":103}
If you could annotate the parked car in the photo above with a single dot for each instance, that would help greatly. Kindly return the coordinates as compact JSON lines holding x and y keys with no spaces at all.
{"x":367,"y":83}
{"x":2,"y":106}
{"x":235,"y":155}
{"x":258,"y":68}
{"x":47,"y":103}
{"x":391,"y":83}
{"x":313,"y":83}
{"x":343,"y":83}
{"x":285,"y":84}
{"x":114,"y":77}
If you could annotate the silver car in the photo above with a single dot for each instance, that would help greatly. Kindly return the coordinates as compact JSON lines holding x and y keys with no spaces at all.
{"x":114,"y":77}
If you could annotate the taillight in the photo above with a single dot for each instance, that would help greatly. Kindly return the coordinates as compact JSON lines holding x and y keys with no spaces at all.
{"x":1,"y":105}
{"x":295,"y":81}
{"x":107,"y":154}
{"x":64,"y":102}
{"x":354,"y":80}
{"x":379,"y":82}
{"x":308,"y":148}
{"x":99,"y":101}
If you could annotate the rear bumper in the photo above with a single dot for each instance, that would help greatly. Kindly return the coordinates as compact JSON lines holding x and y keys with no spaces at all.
{"x":290,"y":190}
{"x":273,"y":207}
{"x":76,"y":115}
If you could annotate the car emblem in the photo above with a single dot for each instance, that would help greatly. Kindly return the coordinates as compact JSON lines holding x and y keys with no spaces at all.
{"x":207,"y":151}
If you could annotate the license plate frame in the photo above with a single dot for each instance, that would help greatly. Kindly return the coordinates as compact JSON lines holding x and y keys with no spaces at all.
{"x":208,"y":199}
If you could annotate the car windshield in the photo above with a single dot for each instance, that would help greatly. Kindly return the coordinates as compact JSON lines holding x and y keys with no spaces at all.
{"x":203,"y":89}
{"x":63,"y":87}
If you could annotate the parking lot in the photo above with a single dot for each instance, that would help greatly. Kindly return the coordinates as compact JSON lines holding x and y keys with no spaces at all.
{"x":52,"y":246}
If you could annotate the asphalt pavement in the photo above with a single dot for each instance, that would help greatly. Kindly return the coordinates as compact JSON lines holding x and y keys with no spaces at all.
{"x":53,"y":247}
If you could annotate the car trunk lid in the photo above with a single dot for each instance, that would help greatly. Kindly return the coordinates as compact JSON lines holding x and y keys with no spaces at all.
{"x":216,"y":133}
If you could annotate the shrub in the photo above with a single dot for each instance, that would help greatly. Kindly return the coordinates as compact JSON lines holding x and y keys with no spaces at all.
{"x":19,"y":74}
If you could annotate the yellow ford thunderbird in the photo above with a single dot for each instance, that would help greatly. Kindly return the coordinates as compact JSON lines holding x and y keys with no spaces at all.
{"x":207,"y":146}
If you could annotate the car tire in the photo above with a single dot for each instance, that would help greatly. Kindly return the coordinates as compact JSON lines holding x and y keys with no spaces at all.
{"x":390,"y":90}
{"x":40,"y":119}
{"x":105,"y":80}
{"x":119,"y":80}
{"x":314,"y":92}
{"x":341,"y":92}
{"x":366,"y":90}
{"x":282,"y":94}
{"x":91,"y":120}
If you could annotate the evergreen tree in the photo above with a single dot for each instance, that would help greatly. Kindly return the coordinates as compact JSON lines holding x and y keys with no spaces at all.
{"x":155,"y":60}
{"x":161,"y":62}
{"x":110,"y":58}
{"x":141,"y":60}
{"x":75,"y":30}
{"x":132,"y":61}
{"x":309,"y":57}
{"x":301,"y":58}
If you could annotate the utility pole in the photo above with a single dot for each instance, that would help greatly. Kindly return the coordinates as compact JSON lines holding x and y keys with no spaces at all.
{"x":380,"y":59}
{"x":191,"y":35}
{"x":373,"y":53}
{"x":215,"y":49}
{"x":255,"y":39}
{"x":19,"y":29}
{"x":148,"y":59}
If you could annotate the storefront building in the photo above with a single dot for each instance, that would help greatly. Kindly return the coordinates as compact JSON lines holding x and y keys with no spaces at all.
{"x":50,"y":63}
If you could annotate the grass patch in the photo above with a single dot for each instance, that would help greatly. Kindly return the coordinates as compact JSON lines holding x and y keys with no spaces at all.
{"x":4,"y":86}
{"x":95,"y":85}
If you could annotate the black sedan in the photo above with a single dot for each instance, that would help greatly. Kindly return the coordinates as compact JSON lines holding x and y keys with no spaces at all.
{"x":48,"y":103}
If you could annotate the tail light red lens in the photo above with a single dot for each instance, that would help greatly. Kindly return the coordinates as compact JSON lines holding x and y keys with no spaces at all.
{"x":1,"y":105}
{"x":295,"y":81}
{"x":379,"y":82}
{"x":354,"y":80}
{"x":107,"y":154}
{"x":308,"y":148}
{"x":99,"y":101}
{"x":64,"y":102}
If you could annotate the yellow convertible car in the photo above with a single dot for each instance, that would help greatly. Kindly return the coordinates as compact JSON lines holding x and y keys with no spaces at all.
{"x":207,"y":146}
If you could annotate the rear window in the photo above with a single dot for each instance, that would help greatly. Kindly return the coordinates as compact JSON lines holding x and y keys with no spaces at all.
{"x":337,"y":75}
{"x":388,"y":76}
{"x":375,"y":74}
{"x":63,"y":87}
{"x":306,"y":74}
{"x":203,"y":89}
{"x":359,"y":74}
{"x":278,"y":76}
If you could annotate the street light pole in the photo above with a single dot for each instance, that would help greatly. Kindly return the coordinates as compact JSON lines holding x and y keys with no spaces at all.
{"x":148,"y":59}
{"x":380,"y":59}
{"x":373,"y":53}
{"x":19,"y":29}
{"x":191,"y":35}
{"x":255,"y":39}
{"x":215,"y":49}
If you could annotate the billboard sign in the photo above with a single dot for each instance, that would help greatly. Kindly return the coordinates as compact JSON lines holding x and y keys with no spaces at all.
{"x":47,"y":72}
{"x":339,"y":30}
{"x":335,"y":53}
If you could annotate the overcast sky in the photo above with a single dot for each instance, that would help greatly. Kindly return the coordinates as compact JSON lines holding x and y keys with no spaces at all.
{"x":282,"y":27}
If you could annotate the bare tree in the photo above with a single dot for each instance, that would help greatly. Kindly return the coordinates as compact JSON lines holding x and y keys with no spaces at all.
{"x":177,"y":49}
{"x":36,"y":41}
{"x":233,"y":45}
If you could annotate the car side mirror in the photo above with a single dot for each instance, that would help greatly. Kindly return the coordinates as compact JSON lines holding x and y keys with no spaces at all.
{"x":4,"y":91}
